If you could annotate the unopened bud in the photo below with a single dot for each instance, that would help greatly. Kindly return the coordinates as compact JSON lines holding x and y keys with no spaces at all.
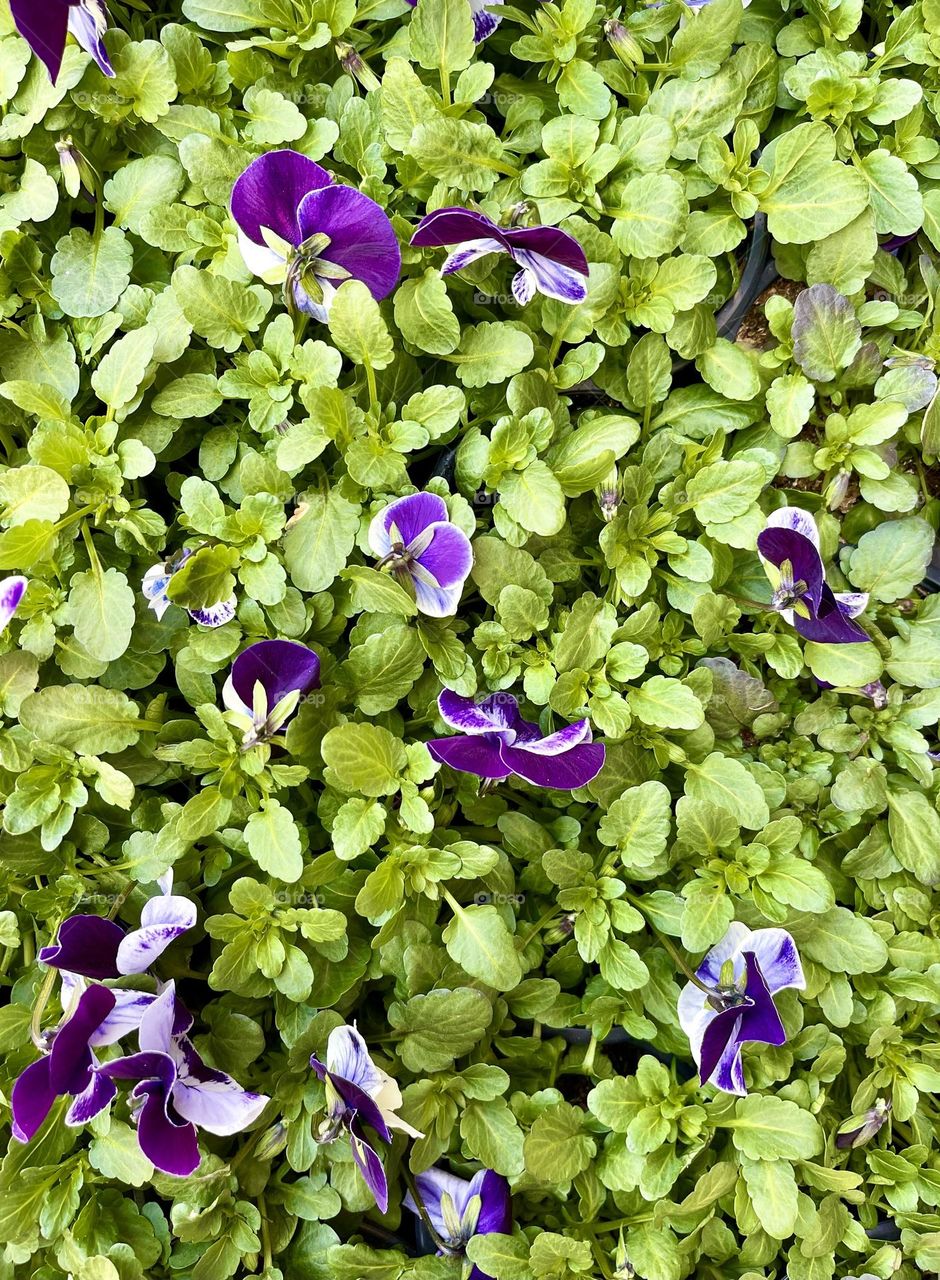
{"x":624,"y":43}
{"x":858,"y":1130}
{"x":354,"y":65}
{"x":70,"y":166}
{"x":272,"y":1142}
{"x":608,"y":494}
{"x":519,"y":213}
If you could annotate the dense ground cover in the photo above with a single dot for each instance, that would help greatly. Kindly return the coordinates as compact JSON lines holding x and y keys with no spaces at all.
{"x":469,"y":739}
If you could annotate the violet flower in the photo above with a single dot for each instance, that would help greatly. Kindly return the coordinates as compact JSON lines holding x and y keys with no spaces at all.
{"x":485,"y":21}
{"x":11,"y":593}
{"x":95,"y":947}
{"x":70,"y":1069}
{"x":499,"y":742}
{"x":550,"y":261}
{"x":428,"y":555}
{"x":744,"y":972}
{"x":461,"y":1208}
{"x":359,"y":1093}
{"x":157,"y":580}
{"x":858,"y":1130}
{"x":300,"y":229}
{"x":177,"y":1094}
{"x":894,"y":244}
{"x":789,"y":550}
{"x":266,"y":684}
{"x":45,"y":24}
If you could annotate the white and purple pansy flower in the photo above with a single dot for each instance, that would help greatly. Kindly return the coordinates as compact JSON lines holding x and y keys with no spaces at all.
{"x":266,"y":684}
{"x":11,"y":593}
{"x":734,"y":1005}
{"x":789,"y":550}
{"x":485,"y":21}
{"x":550,"y":261}
{"x":155,"y":587}
{"x":176,"y":1094}
{"x":495,"y":742}
{"x":45,"y":25}
{"x":299,"y":228}
{"x":359,"y":1093}
{"x":431,"y":558}
{"x":461,"y":1208}
{"x":95,"y":947}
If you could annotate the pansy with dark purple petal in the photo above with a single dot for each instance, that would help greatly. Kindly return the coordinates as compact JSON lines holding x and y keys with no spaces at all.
{"x":496,"y":742}
{"x":485,"y":21}
{"x":157,"y":580}
{"x":734,"y":1005}
{"x":426,"y":553}
{"x":358,"y":1093}
{"x":267,"y":681}
{"x":300,"y":229}
{"x":95,"y":947}
{"x":461,"y":1208}
{"x":45,"y":24}
{"x":789,"y":550}
{"x":69,"y":1069}
{"x":176,"y":1094}
{"x":550,"y":261}
{"x":11,"y":593}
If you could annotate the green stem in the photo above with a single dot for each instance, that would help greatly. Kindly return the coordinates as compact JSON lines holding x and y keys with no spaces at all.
{"x":412,"y":1185}
{"x":667,"y":945}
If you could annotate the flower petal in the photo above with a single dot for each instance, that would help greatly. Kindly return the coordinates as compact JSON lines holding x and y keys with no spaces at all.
{"x":347,"y":1055}
{"x":454,"y":225}
{"x":31,"y":1100}
{"x":163,"y":919}
{"x":259,"y":258}
{"x":448,"y":555}
{"x":87,"y":945}
{"x":549,"y":243}
{"x":370,"y":1166}
{"x":11,"y":593}
{"x":553,"y":279}
{"x":410,"y":516}
{"x":44,"y":27}
{"x":469,"y":252}
{"x":470,"y":755}
{"x":761,"y":1022}
{"x":561,"y":741}
{"x":433,"y":1185}
{"x":437,"y":602}
{"x":171,"y":1146}
{"x":484,"y":21}
{"x":362,"y":239}
{"x":729,"y":948}
{"x":70,"y":1060}
{"x":216,"y":615}
{"x":777,"y":545}
{"x":831,"y":626}
{"x":729,"y":1073}
{"x":496,"y":1203}
{"x":279,"y":666}
{"x":721,"y":1034}
{"x":851,"y":603}
{"x":157,"y":1024}
{"x":269,"y":192}
{"x":797,"y":521}
{"x":129,"y":1008}
{"x":98,"y":1094}
{"x":88,"y":21}
{"x":778,"y":958}
{"x":498,"y":713}
{"x":211,"y":1099}
{"x":575,"y":768}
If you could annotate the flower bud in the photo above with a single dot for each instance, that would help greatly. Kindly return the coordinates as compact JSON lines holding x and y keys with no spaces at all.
{"x":858,"y":1130}
{"x":70,"y":165}
{"x":608,"y":494}
{"x":272,"y":1142}
{"x":354,"y":65}
{"x":623,"y":43}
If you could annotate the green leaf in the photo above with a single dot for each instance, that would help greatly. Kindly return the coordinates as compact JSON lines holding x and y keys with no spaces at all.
{"x":774,"y":1196}
{"x":638,"y":823}
{"x":651,"y":216}
{"x":840,"y":940}
{"x":534,"y":498}
{"x":891,"y":560}
{"x":88,"y":274}
{"x":84,"y":718}
{"x":846,"y":666}
{"x":492,"y":352}
{"x":117,"y":379}
{"x":914,"y":828}
{"x":101,"y":609}
{"x":767,"y":1128}
{"x":274,"y":841}
{"x":441,"y":35}
{"x":478,"y":939}
{"x":666,"y":704}
{"x":439,"y":1027}
{"x":424,"y":314}
{"x":357,"y":327}
{"x":219,"y":310}
{"x":724,"y":781}
{"x":556,"y":1147}
{"x":320,"y":538}
{"x":364,"y":758}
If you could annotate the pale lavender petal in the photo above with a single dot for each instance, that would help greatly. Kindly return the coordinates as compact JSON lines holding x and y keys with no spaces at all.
{"x":694,"y":1014}
{"x":129,"y":1008}
{"x":560,"y":741}
{"x":454,"y":225}
{"x":216,"y":615}
{"x":797,"y":521}
{"x":88,"y":21}
{"x":470,"y":755}
{"x":211,"y":1099}
{"x":347,"y":1055}
{"x":548,"y":243}
{"x":99,"y":1093}
{"x":86,"y":945}
{"x":433,"y":1185}
{"x":575,"y":768}
{"x":448,"y":556}
{"x":162,"y":920}
{"x":362,"y":239}
{"x":157,"y":1023}
{"x":154,"y":586}
{"x":44,"y":27}
{"x":279,"y":666}
{"x":406,"y":518}
{"x":729,"y":948}
{"x":524,"y":287}
{"x":553,"y":279}
{"x":269,"y":192}
{"x":778,"y":958}
{"x":437,"y":602}
{"x":11,"y":593}
{"x":851,"y":603}
{"x":484,"y":22}
{"x":498,"y":713}
{"x":469,"y":252}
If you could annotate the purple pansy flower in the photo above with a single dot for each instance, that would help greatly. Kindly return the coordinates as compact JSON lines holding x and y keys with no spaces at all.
{"x":299,"y":228}
{"x":428,"y":555}
{"x":743,"y":972}
{"x":499,"y":742}
{"x":359,"y":1093}
{"x":45,"y":24}
{"x":266,"y":683}
{"x":95,"y":947}
{"x":789,"y":550}
{"x":550,"y":261}
{"x":485,"y":21}
{"x":461,"y":1208}
{"x":894,"y":244}
{"x":11,"y":593}
{"x":177,"y":1093}
{"x":70,"y":1069}
{"x":157,"y":580}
